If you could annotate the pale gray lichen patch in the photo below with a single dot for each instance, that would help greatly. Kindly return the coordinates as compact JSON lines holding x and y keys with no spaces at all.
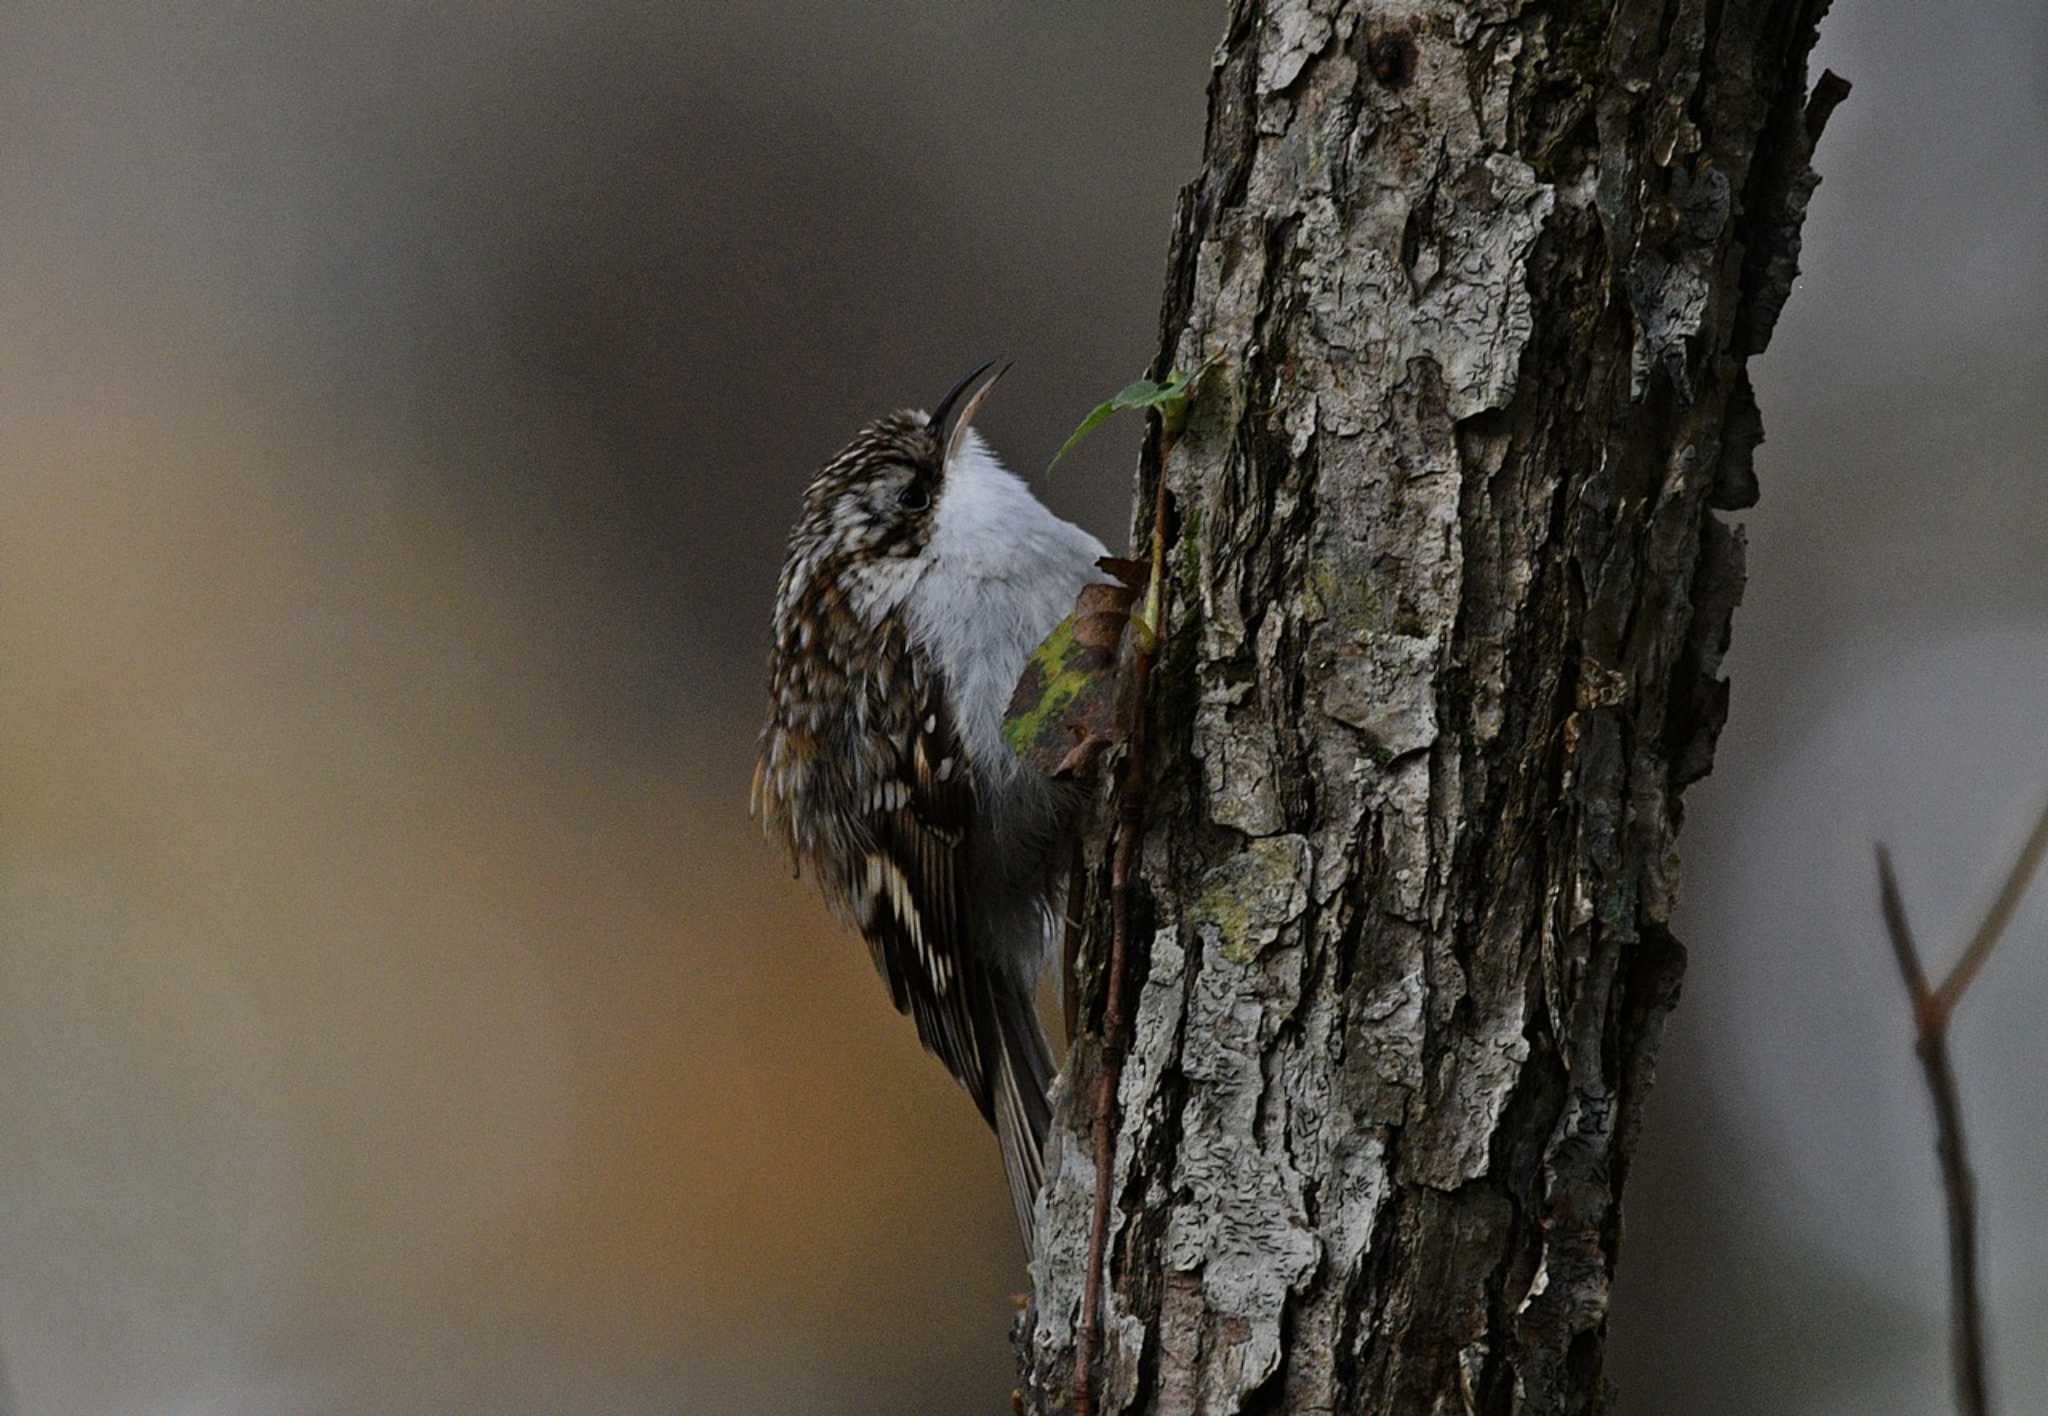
{"x":1059,"y":1268}
{"x":1065,"y":1219}
{"x":1241,"y":1224}
{"x":1155,"y":1033}
{"x":1238,"y":771}
{"x":1475,"y":326}
{"x":1671,"y":278}
{"x":1152,"y":1037}
{"x":1383,"y":1041}
{"x":1462,"y":301}
{"x":1297,"y":35}
{"x":1451,"y":1142}
{"x":1402,"y":798}
{"x":1388,"y":694}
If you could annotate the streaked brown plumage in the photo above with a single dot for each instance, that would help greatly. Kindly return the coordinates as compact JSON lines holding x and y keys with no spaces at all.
{"x":919,"y":576}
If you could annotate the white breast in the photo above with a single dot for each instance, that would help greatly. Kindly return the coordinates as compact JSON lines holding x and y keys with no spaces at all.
{"x":1001,"y":572}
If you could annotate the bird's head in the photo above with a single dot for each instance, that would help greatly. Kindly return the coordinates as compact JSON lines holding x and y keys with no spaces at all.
{"x":879,"y":497}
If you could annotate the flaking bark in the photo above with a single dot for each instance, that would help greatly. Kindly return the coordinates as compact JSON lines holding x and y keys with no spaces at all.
{"x":1449,"y":604}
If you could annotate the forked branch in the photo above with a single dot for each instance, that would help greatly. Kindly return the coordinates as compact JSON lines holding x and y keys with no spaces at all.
{"x":1933,"y":1007}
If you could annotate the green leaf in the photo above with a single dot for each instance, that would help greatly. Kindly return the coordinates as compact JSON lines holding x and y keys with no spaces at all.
{"x":1097,"y":416}
{"x":1170,"y":398}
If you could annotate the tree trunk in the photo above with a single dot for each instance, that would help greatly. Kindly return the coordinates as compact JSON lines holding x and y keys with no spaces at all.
{"x":1448,"y":601}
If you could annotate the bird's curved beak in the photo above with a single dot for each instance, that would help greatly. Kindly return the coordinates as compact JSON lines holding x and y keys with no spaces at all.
{"x":951,"y":432}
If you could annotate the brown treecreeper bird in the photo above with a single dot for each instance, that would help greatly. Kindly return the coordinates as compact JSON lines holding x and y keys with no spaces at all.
{"x":920,"y":576}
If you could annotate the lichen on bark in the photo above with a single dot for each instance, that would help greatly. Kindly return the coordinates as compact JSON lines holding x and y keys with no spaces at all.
{"x":1450,"y":604}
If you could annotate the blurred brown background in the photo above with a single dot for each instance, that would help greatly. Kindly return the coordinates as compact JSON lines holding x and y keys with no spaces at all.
{"x":401,"y":410}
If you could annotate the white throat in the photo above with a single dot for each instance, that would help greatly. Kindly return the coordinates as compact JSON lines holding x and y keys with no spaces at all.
{"x":1000,"y":571}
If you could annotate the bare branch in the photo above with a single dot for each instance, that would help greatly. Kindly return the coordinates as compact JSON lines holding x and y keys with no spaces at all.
{"x":1932,"y":1009}
{"x":1988,"y":934}
{"x":1966,"y":1339}
{"x":1901,"y":936}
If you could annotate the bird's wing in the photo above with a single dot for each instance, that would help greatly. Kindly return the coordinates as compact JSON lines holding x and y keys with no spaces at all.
{"x":910,"y":894}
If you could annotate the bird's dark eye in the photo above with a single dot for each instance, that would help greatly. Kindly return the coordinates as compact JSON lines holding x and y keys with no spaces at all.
{"x":915,"y":496}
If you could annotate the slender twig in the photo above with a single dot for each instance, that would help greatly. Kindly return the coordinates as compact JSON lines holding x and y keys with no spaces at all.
{"x":1932,"y":1009}
{"x":1150,"y":631}
{"x":2023,"y":872}
{"x":1930,"y":1027}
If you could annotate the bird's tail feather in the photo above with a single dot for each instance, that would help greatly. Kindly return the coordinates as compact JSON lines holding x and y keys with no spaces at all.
{"x":1023,"y":1112}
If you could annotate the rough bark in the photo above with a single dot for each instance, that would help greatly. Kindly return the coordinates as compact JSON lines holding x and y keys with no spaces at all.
{"x":1449,"y":604}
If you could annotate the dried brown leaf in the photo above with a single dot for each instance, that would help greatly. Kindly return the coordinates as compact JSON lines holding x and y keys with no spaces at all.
{"x":1101,"y":632}
{"x":1135,"y":574}
{"x":1082,"y":756}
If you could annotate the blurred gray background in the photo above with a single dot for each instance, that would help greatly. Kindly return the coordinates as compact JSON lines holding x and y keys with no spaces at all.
{"x":402,"y":409}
